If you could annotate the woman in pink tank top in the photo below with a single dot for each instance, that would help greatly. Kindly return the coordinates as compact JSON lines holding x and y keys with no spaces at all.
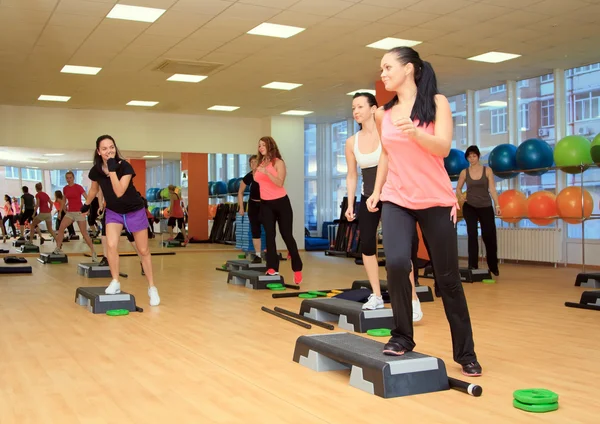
{"x":275,"y":206}
{"x":414,"y":187}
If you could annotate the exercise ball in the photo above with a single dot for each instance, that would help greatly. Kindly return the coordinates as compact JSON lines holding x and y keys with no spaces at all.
{"x":513,"y":206}
{"x":541,"y":208}
{"x":571,"y":152}
{"x":454,"y":163}
{"x":165,"y":213}
{"x":149,"y":194}
{"x":157,"y":195}
{"x":502,"y":160}
{"x":533,"y":154}
{"x":595,"y":149}
{"x":231,"y":186}
{"x":211,"y":188}
{"x":157,"y":212}
{"x":568,"y":204}
{"x":236,"y":185}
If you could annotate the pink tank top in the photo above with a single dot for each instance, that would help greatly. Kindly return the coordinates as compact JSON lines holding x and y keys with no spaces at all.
{"x":416,"y":179}
{"x":177,"y":211}
{"x":268,"y":189}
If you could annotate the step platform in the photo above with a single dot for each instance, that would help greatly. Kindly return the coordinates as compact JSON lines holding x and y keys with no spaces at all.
{"x":173,"y":243}
{"x":253,"y":279}
{"x":97,"y":302}
{"x":348,"y":314}
{"x":466,"y":275}
{"x":18,"y":243}
{"x":16,"y":269}
{"x":28,"y":248}
{"x":371,"y":371}
{"x":589,"y":300}
{"x":243,"y":264}
{"x":92,"y":270}
{"x":590,"y":280}
{"x":51,"y":258}
{"x":424,"y":293}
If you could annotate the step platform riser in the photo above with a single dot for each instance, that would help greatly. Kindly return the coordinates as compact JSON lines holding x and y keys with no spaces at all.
{"x":97,"y":302}
{"x":28,"y":249}
{"x":49,"y":258}
{"x":239,"y":265}
{"x":253,"y":279}
{"x":588,"y":280}
{"x":92,"y":270}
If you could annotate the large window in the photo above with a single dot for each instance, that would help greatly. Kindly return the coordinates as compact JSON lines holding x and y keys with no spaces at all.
{"x":339,"y":134}
{"x":458,"y":106}
{"x":310,"y":177}
{"x":583,"y":118}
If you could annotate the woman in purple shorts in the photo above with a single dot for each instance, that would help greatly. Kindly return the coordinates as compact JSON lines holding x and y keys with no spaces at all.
{"x":124,"y":208}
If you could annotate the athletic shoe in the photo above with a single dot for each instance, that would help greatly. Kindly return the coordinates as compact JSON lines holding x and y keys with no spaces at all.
{"x":297,"y":277}
{"x":417,"y":312}
{"x":113,"y":288}
{"x":104,"y":261}
{"x":154,"y":297}
{"x":94,"y":257}
{"x":393,"y":349}
{"x":374,"y":302}
{"x":271,"y":271}
{"x":256,"y":259}
{"x":496,"y":272}
{"x":57,"y":251}
{"x":472,"y":370}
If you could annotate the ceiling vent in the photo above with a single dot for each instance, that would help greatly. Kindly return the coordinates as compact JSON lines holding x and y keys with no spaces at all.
{"x":171,"y":66}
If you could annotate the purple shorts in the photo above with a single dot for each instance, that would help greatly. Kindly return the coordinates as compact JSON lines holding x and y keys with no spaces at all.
{"x":132,"y":221}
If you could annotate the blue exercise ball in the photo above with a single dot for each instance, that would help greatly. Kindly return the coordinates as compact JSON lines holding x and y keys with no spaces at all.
{"x":502,"y":160}
{"x":454,"y":163}
{"x":231,"y":186}
{"x":534,"y":153}
{"x":211,"y":188}
{"x":220,"y":188}
{"x":236,"y":184}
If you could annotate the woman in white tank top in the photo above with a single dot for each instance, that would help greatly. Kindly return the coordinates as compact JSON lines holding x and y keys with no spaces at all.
{"x":363,"y":150}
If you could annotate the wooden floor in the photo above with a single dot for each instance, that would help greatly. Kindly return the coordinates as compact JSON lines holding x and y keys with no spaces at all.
{"x":208,"y":354}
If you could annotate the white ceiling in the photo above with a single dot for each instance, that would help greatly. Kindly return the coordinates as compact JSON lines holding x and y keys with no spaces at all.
{"x":70,"y":159}
{"x":39,"y":37}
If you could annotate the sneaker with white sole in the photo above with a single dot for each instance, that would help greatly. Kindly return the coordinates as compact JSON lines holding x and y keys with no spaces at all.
{"x":417,"y":312}
{"x":374,"y":302}
{"x":57,"y":251}
{"x":94,"y":257}
{"x":113,"y":288}
{"x":154,"y":297}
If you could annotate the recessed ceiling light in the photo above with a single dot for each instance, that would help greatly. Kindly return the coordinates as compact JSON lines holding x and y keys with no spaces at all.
{"x":461,"y":125}
{"x":83,"y":70}
{"x":86,"y":161}
{"x":364,"y":90}
{"x":135,"y":13}
{"x":281,"y":85}
{"x":276,"y":30}
{"x":34,"y":167}
{"x":223,"y":108}
{"x":141,"y":103}
{"x":48,"y":98}
{"x":298,"y":112}
{"x":53,"y":154}
{"x":150,"y":156}
{"x":494,"y":103}
{"x":494,"y":57}
{"x":186,"y":78}
{"x":390,"y":42}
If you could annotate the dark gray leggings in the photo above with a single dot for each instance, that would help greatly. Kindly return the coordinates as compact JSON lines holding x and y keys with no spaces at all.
{"x":439,"y":231}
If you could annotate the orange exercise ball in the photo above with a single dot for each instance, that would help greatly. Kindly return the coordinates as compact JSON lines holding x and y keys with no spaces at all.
{"x":541,"y":208}
{"x":513,"y":206}
{"x":568,"y":204}
{"x":165,"y":212}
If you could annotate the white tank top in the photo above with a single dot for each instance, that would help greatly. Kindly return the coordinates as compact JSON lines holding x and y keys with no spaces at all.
{"x":368,"y":164}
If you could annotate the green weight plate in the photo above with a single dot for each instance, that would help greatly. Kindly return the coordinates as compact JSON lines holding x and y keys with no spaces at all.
{"x":277,"y":288}
{"x":317,"y":293}
{"x":117,"y":312}
{"x":273,"y":285}
{"x":380,"y":332}
{"x":535,"y":396}
{"x":488,"y":281}
{"x":307,"y":295}
{"x":545,"y":407}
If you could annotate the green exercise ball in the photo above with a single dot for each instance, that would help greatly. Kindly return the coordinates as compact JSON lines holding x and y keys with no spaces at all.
{"x":595,"y":149}
{"x":571,"y":152}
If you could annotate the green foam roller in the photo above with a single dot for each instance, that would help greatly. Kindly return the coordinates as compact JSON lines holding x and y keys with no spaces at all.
{"x":535,"y":396}
{"x":544,"y":407}
{"x":380,"y":332}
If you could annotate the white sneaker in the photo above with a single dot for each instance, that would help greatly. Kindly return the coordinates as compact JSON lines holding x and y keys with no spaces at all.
{"x":94,"y":257}
{"x":113,"y":288}
{"x":417,"y":312}
{"x":57,"y":251}
{"x":374,"y":302}
{"x":154,"y":297}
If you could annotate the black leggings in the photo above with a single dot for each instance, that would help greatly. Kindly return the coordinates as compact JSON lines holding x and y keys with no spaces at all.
{"x":254,"y":218}
{"x":280,"y":211}
{"x":367,"y":225}
{"x":487,"y":219}
{"x":11,"y":221}
{"x":440,"y":233}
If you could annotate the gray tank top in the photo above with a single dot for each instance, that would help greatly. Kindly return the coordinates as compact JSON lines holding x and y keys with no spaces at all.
{"x":478,"y":194}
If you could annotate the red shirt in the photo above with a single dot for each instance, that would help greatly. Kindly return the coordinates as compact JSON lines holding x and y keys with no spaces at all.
{"x":73,"y":195}
{"x":43,"y":199}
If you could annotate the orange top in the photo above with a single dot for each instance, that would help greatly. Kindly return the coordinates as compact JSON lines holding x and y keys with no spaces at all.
{"x":268,"y":189}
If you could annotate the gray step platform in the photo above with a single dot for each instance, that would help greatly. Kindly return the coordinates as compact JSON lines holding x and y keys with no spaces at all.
{"x":590,"y":280}
{"x":243,"y":264}
{"x":372,"y":371}
{"x":92,"y":270}
{"x":16,"y":269}
{"x":348,"y":314}
{"x":173,"y":243}
{"x":253,"y":279}
{"x":96,"y":301}
{"x":28,"y":248}
{"x":51,"y":258}
{"x":424,"y":293}
{"x":18,"y":243}
{"x":589,"y":300}
{"x":466,"y":275}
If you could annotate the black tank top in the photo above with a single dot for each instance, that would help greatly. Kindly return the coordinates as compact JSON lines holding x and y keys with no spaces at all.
{"x":478,"y":194}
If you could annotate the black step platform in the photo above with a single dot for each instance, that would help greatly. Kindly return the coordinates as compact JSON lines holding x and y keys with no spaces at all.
{"x":243,"y":264}
{"x":590,"y":280}
{"x":424,"y":293}
{"x":253,"y":279}
{"x":466,"y":275}
{"x":92,"y":270}
{"x":18,"y":243}
{"x":15,"y":269}
{"x":372,"y":371}
{"x":173,"y":243}
{"x":28,"y":248}
{"x":348,"y":314}
{"x":589,"y":300}
{"x":96,"y":301}
{"x":51,"y":258}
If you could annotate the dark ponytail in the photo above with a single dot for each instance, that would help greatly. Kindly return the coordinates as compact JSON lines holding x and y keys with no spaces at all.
{"x":424,"y":108}
{"x":371,"y":100}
